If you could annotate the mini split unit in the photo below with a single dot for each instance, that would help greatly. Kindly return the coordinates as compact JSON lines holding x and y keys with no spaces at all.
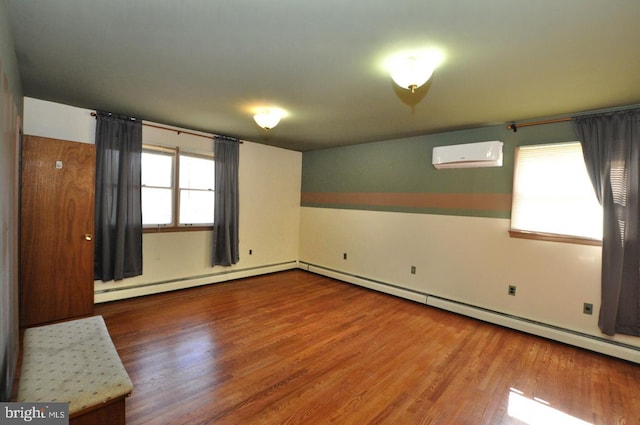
{"x":468,"y":155}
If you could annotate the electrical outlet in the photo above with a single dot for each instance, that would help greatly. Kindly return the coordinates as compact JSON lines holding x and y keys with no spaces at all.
{"x":587,"y":308}
{"x":344,"y":256}
{"x":413,"y":269}
{"x":512,"y":290}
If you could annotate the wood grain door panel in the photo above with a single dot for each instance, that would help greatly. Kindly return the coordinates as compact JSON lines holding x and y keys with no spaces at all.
{"x":57,"y":215}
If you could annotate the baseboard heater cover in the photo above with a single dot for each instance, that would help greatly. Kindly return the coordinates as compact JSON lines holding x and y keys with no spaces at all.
{"x":119,"y":293}
{"x":367,"y":283}
{"x":556,"y":333}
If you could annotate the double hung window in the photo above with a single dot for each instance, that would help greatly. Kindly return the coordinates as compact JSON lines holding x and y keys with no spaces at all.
{"x":177,"y":189}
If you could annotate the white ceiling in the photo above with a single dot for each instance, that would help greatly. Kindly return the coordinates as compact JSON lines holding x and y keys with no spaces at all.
{"x":203,"y":64}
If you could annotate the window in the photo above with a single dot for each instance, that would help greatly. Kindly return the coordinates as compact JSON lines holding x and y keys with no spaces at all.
{"x":553,"y":197}
{"x":177,"y":188}
{"x":157,"y":186}
{"x":197,"y":175}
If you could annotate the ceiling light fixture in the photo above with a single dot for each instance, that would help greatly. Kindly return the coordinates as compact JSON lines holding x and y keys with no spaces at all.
{"x":268,"y":118}
{"x":411,"y":71}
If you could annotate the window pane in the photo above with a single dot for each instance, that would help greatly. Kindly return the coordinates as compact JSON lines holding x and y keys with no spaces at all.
{"x":553,"y":193}
{"x":196,"y":206}
{"x":156,"y":206}
{"x":197,"y":172}
{"x":157,"y":169}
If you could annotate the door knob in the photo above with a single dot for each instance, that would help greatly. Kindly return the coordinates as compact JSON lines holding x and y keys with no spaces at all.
{"x":88,"y":237}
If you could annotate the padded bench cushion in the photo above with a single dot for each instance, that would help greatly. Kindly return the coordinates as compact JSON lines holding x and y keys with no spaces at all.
{"x":73,"y":362}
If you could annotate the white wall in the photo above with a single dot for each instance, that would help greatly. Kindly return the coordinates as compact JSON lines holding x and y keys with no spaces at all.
{"x":269,"y":209}
{"x":57,"y":121}
{"x":471,"y":260}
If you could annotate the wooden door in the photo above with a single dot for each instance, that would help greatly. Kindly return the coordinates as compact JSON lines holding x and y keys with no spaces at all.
{"x":56,"y":228}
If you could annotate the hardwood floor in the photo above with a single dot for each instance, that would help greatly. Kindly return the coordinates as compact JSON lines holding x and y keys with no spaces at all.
{"x":298,"y":348}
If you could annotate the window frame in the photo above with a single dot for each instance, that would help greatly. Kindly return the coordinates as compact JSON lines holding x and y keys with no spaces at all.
{"x":175,"y":226}
{"x":539,"y":235}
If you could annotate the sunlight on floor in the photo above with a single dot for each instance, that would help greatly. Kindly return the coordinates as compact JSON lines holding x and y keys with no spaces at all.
{"x":538,"y":412}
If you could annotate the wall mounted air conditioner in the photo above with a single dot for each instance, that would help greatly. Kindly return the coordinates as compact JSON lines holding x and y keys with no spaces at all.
{"x":468,"y":155}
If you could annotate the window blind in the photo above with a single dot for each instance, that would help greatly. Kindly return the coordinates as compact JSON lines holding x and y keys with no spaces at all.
{"x":552,"y":192}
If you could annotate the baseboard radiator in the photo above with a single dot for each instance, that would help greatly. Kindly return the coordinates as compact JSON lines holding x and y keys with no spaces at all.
{"x":148,"y":288}
{"x":590,"y":342}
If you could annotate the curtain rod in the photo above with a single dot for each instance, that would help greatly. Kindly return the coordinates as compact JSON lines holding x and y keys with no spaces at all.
{"x":161,"y":127}
{"x":513,"y":126}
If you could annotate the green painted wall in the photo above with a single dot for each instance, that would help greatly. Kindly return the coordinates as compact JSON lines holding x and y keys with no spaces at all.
{"x":404,"y":166}
{"x":10,"y":108}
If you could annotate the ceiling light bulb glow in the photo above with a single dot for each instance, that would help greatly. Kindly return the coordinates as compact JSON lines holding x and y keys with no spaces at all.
{"x":411,"y":71}
{"x":267,"y":118}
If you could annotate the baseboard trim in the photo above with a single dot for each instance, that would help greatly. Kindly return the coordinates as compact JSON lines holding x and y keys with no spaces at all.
{"x":567,"y":336}
{"x":366,"y":282}
{"x":149,"y":288}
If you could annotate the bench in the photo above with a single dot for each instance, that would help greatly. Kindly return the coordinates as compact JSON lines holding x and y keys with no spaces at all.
{"x":75,"y":362}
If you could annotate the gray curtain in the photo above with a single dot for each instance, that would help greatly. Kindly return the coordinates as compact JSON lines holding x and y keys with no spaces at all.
{"x":225,"y":221}
{"x":118,"y":215}
{"x":611,"y":147}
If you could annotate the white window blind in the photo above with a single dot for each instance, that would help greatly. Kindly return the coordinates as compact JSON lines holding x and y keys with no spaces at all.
{"x":552,"y":192}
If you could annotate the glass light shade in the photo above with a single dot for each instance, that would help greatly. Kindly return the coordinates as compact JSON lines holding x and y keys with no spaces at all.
{"x":267,"y":118}
{"x":411,"y":72}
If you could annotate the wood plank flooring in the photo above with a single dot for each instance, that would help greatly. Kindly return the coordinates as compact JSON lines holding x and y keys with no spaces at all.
{"x":298,"y":348}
